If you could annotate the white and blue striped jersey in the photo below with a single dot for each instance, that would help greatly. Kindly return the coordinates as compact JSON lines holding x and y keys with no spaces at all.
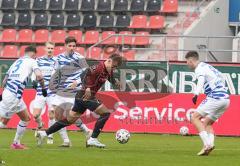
{"x":214,"y":82}
{"x":69,"y":68}
{"x":46,"y":65}
{"x":19,"y":73}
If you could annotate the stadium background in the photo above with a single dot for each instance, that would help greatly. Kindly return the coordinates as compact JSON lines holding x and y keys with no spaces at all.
{"x":153,"y":35}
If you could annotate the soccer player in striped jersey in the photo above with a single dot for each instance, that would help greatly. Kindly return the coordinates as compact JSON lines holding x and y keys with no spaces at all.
{"x":93,"y":79}
{"x":46,"y":64}
{"x":14,"y":84}
{"x":65,"y":82}
{"x":215,"y":104}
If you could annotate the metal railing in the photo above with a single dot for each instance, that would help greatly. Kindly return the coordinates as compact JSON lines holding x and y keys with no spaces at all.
{"x":164,"y":43}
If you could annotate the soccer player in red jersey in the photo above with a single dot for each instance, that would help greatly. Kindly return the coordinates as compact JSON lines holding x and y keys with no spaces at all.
{"x":93,"y":79}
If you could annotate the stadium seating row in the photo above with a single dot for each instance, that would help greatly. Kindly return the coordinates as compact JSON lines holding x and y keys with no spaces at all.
{"x":86,"y":5}
{"x":58,"y":36}
{"x":89,"y":21}
{"x":11,"y":51}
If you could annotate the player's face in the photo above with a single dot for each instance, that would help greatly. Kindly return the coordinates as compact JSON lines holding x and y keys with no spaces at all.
{"x":32,"y":55}
{"x":114,"y":65}
{"x":49,"y":49}
{"x":70,"y":47}
{"x":190,"y":63}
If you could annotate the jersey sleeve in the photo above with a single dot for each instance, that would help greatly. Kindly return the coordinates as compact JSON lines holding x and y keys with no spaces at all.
{"x":34,"y":65}
{"x":200,"y":74}
{"x":82,"y":62}
{"x":90,"y":75}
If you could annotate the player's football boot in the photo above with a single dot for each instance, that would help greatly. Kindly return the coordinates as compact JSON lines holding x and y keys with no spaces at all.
{"x":18,"y":146}
{"x":93,"y":142}
{"x":206,"y":150}
{"x":66,"y":144}
{"x":40,"y":135}
{"x":50,"y":140}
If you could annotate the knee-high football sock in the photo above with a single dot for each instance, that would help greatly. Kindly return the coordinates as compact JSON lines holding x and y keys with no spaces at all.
{"x":20,"y":131}
{"x":50,"y":123}
{"x":57,"y":126}
{"x":100,"y":124}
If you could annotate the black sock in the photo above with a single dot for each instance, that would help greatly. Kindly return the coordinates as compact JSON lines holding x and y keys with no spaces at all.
{"x":100,"y":124}
{"x":57,"y":126}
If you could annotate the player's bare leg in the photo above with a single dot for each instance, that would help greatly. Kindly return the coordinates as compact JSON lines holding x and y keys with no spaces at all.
{"x":24,"y":120}
{"x":37,"y":117}
{"x":196,"y":120}
{"x":104,"y":116}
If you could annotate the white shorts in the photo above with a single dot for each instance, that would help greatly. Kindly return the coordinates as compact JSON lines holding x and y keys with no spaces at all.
{"x":65,"y":103}
{"x":213,"y":108}
{"x":41,"y":101}
{"x":10,"y":104}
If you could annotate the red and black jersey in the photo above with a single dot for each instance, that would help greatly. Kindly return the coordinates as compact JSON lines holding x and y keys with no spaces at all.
{"x":96,"y":76}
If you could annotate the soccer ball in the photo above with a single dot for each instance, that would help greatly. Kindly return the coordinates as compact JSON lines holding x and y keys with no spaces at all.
{"x":122,"y":136}
{"x":184,"y":130}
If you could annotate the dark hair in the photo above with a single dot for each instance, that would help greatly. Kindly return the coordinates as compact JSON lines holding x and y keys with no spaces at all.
{"x":31,"y":48}
{"x":192,"y":54}
{"x":117,"y":58}
{"x":70,"y":39}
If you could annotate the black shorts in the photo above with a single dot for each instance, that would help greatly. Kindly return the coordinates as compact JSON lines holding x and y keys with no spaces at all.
{"x":81,"y":106}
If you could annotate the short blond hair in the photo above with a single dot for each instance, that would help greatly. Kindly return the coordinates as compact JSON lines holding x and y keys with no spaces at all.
{"x":49,"y":42}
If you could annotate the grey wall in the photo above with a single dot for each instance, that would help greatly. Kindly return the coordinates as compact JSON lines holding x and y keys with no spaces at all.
{"x":213,"y":21}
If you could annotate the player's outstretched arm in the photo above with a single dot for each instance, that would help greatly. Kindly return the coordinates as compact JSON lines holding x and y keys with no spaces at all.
{"x":4,"y":81}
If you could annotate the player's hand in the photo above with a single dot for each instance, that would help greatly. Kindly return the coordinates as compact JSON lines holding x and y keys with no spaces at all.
{"x":0,"y":97}
{"x":194,"y":99}
{"x":44,"y":92}
{"x":73,"y":85}
{"x":34,"y":84}
{"x":87,"y":94}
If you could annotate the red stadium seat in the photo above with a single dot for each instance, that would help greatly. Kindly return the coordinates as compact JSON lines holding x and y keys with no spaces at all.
{"x":129,"y":54}
{"x":156,"y":22}
{"x":142,"y":39}
{"x":94,"y":53}
{"x":111,"y":40}
{"x":22,"y":50}
{"x":138,"y":21}
{"x":58,"y":36}
{"x":125,"y":39}
{"x":10,"y":51}
{"x":91,"y":37}
{"x":77,"y":34}
{"x":25,"y":36}
{"x":41,"y":36}
{"x":81,"y":50}
{"x":170,"y":6}
{"x":41,"y":51}
{"x":58,"y":50}
{"x":9,"y":35}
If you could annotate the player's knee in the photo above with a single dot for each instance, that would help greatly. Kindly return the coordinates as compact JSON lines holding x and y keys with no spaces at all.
{"x":195,"y":116}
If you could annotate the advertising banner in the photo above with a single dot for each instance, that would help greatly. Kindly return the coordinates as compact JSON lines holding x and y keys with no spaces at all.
{"x":147,"y":113}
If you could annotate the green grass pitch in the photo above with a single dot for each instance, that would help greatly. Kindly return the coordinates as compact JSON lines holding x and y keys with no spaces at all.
{"x":141,"y":150}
